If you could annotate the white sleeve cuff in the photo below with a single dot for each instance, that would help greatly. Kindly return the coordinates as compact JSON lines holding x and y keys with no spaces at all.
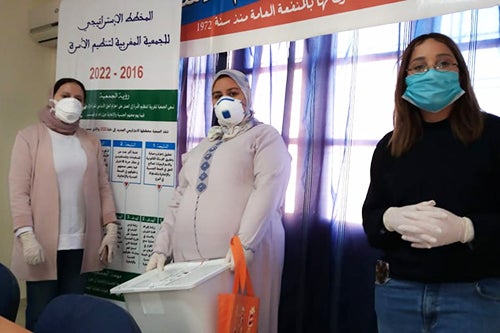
{"x":22,"y":230}
{"x":468,"y":230}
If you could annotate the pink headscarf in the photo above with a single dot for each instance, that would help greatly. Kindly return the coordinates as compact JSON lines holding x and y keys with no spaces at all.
{"x":47,"y":117}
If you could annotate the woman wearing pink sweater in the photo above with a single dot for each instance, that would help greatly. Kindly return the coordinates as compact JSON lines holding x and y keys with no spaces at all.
{"x":60,"y":201}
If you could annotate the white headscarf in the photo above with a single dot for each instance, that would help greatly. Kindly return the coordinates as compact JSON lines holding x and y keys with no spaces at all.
{"x":240,"y":79}
{"x":226,"y":133}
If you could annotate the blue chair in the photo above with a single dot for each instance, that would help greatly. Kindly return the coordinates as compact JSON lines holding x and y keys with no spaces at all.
{"x":84,"y":314}
{"x":9,"y":293}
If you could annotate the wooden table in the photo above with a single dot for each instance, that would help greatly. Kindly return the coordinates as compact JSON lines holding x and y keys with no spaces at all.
{"x":7,"y":326}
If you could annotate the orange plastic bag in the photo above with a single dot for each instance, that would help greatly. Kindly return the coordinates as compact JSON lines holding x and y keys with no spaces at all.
{"x":238,"y":312}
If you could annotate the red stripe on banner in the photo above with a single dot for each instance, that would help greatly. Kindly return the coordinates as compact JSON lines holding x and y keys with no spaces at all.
{"x":267,"y":13}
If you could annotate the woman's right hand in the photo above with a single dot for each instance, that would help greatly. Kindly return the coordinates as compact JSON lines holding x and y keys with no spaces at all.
{"x":157,"y":260}
{"x":414,"y":216}
{"x":32,"y":250}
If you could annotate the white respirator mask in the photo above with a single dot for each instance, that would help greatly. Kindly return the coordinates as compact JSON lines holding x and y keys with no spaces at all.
{"x":229,"y":111}
{"x":68,"y":109}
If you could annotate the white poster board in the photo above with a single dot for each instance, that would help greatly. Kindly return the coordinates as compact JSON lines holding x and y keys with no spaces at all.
{"x":127,"y":55}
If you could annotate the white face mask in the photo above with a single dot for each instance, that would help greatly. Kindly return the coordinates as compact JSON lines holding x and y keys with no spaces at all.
{"x":229,"y":111}
{"x":68,"y":109}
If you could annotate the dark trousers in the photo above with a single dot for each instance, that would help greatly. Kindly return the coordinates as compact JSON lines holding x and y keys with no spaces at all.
{"x":69,"y":281}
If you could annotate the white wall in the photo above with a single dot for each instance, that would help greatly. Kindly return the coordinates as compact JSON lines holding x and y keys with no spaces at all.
{"x":27,"y":72}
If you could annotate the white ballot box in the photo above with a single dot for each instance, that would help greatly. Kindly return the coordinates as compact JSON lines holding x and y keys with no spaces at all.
{"x":181,"y":299}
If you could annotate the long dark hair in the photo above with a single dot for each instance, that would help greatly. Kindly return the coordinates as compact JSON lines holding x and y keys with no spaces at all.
{"x":466,"y":118}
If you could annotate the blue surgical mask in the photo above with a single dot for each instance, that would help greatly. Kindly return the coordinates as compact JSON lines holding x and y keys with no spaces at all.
{"x":433,"y":90}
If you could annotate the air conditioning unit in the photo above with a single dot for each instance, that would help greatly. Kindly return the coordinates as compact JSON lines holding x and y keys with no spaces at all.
{"x":43,"y":22}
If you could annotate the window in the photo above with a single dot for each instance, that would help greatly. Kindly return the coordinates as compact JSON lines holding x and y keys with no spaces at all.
{"x":362,"y":71}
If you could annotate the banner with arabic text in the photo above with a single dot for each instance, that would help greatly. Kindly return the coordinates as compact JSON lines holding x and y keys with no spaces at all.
{"x":212,"y":26}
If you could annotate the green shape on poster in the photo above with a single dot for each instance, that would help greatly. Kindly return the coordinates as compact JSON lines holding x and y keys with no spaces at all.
{"x":99,"y":283}
{"x":138,"y":105}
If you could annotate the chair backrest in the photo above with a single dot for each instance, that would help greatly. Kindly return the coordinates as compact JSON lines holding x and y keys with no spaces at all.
{"x":9,"y":293}
{"x":83,"y":314}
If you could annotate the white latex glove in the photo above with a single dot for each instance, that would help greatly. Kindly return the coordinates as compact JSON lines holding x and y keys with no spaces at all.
{"x":450,"y":229}
{"x":108,"y":243}
{"x":229,"y":257}
{"x":32,"y":250}
{"x":418,"y":219}
{"x":157,"y":260}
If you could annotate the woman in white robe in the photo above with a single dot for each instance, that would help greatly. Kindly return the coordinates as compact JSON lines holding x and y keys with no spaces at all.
{"x":232,"y":183}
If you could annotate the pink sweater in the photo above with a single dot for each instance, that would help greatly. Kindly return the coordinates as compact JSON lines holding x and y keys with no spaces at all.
{"x":34,"y":200}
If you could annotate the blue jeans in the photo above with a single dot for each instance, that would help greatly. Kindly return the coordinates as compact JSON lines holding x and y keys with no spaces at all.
{"x":69,"y":281}
{"x":413,"y":307}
